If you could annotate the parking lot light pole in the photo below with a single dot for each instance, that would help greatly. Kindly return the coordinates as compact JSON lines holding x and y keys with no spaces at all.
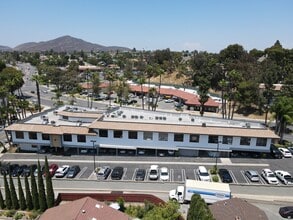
{"x":217,"y":155}
{"x":93,"y":141}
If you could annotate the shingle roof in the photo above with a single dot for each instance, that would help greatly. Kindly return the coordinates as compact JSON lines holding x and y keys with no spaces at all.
{"x":236,"y":209}
{"x":81,"y":209}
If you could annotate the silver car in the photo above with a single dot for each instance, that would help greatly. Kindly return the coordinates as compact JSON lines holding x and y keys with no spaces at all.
{"x":252,"y":175}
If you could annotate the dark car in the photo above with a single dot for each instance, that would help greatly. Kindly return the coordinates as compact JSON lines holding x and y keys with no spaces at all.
{"x":27,"y":171}
{"x":225,"y":176}
{"x":276,"y":153}
{"x":73,"y":171}
{"x":14,"y":170}
{"x":5,"y":169}
{"x":117,"y":173}
{"x":18,"y":170}
{"x":140,"y":175}
{"x":286,"y":212}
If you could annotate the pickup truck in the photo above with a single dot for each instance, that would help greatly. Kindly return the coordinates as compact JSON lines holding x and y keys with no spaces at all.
{"x":284,"y":177}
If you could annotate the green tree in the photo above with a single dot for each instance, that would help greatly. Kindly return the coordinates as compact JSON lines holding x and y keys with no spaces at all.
{"x":34,"y":191}
{"x":14,"y":199}
{"x":2,"y":203}
{"x":49,"y":186}
{"x":168,"y":211}
{"x":41,"y":188}
{"x":28,"y":195}
{"x":8,"y":201}
{"x":22,"y":202}
{"x":198,"y":209}
{"x":283,"y":113}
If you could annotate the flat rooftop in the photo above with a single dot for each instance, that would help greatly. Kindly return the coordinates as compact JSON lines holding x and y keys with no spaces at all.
{"x":124,"y":114}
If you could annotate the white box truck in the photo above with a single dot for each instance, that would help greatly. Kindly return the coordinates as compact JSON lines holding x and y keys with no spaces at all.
{"x":210,"y":191}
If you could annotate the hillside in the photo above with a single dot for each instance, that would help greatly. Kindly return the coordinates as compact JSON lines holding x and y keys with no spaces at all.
{"x":5,"y":48}
{"x":65,"y":44}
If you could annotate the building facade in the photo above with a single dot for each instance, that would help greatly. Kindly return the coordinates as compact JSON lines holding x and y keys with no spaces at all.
{"x":135,"y":131}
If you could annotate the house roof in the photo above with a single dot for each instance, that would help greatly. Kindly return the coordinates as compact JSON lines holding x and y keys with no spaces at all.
{"x":81,"y":209}
{"x":236,"y":209}
{"x":189,"y":98}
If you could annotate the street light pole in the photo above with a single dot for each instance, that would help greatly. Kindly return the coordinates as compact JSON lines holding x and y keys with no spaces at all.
{"x":217,"y":154}
{"x":93,"y":141}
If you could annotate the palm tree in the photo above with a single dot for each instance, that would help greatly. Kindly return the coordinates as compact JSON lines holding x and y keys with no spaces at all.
{"x":141,"y":82}
{"x":283,"y":113}
{"x":111,"y":76}
{"x":159,"y":72}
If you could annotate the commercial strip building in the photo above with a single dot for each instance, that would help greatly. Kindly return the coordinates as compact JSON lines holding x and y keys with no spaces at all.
{"x":134,"y":131}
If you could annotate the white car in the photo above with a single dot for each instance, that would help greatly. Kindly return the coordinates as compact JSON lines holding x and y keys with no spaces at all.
{"x":154,"y":172}
{"x":164,"y":174}
{"x":285,"y":152}
{"x":203,"y":174}
{"x":284,"y":176}
{"x":62,"y":171}
{"x":269,"y":176}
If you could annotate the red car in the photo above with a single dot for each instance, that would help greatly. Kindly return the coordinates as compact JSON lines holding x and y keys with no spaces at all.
{"x":52,"y":169}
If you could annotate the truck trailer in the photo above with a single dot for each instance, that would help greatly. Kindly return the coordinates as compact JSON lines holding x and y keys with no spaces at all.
{"x":210,"y":191}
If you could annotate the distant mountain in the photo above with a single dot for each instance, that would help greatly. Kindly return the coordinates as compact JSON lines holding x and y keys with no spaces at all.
{"x":66,"y":44}
{"x":5,"y":48}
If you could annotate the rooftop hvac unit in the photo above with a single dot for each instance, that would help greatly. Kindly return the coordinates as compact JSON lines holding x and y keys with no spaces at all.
{"x":204,"y":124}
{"x":192,"y":119}
{"x":247,"y":125}
{"x":53,"y":122}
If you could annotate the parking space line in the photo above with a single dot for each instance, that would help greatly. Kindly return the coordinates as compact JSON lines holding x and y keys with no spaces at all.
{"x":183,"y":175}
{"x":133,"y":176}
{"x":81,"y":173}
{"x":171,"y":175}
{"x":233,"y":176}
{"x":245,"y":177}
{"x":124,"y":173}
{"x":195,"y":175}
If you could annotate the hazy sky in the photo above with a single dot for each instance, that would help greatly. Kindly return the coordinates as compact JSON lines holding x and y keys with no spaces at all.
{"x":204,"y":25}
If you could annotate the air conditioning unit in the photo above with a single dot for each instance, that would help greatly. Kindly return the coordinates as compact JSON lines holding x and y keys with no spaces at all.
{"x":204,"y":124}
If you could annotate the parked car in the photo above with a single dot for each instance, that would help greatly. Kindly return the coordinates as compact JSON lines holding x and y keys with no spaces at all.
{"x":269,"y":176}
{"x":73,"y":171}
{"x":252,"y":175}
{"x":62,"y":171}
{"x":102,"y":172}
{"x":164,"y":174}
{"x":140,"y":175}
{"x":284,"y":176}
{"x":286,"y":212}
{"x":154,"y":172}
{"x":276,"y":153}
{"x":52,"y":169}
{"x":168,"y":100}
{"x":27,"y":171}
{"x":5,"y":169}
{"x":16,"y":170}
{"x":290,"y":149}
{"x":203,"y":174}
{"x":286,"y":153}
{"x":225,"y":176}
{"x":117,"y":173}
{"x":42,"y":171}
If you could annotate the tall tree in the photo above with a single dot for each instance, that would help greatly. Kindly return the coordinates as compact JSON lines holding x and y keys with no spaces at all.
{"x":49,"y":186}
{"x":22,"y":202}
{"x":14,"y":199}
{"x":41,"y":188}
{"x":34,"y":191}
{"x":198,"y":209}
{"x":2,"y":203}
{"x":37,"y":78}
{"x":28,"y":195}
{"x":8,"y":201}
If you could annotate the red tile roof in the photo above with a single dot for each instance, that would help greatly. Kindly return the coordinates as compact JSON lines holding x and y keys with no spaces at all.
{"x":81,"y":209}
{"x":190,"y":99}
